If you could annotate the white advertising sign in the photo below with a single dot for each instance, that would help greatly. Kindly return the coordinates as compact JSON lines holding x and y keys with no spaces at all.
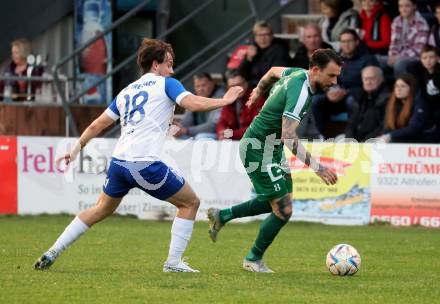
{"x":212,"y":168}
{"x":406,"y":185}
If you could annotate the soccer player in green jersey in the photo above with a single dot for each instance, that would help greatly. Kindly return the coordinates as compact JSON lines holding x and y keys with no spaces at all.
{"x":261,"y":149}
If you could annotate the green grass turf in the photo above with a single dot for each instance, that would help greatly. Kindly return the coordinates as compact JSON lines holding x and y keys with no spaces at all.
{"x":120,"y":261}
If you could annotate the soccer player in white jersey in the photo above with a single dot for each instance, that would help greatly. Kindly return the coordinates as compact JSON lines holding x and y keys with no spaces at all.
{"x":145,"y":109}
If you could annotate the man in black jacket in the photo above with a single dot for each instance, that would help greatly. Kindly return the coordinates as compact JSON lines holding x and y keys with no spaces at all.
{"x":264,"y":54}
{"x":311,"y":41}
{"x":366,"y":119}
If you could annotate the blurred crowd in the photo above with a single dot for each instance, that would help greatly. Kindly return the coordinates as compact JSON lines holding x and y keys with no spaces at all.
{"x":389,"y":87}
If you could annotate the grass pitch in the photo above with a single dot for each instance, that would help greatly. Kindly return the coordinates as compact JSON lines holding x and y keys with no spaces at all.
{"x":120,"y":261}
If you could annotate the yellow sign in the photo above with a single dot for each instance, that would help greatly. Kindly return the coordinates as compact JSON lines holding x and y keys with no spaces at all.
{"x":350,"y":161}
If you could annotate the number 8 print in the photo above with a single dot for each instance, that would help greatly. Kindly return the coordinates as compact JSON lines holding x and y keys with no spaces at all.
{"x":129,"y":114}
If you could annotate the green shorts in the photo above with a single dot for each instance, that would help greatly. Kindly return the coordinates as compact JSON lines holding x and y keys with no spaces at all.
{"x":269,"y":174}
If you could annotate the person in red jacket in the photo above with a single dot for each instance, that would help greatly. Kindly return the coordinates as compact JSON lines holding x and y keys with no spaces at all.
{"x":236,"y":117}
{"x":376,"y":26}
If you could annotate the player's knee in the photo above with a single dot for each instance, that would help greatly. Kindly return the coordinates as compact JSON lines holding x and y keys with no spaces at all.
{"x":288,"y":212}
{"x":189,"y":203}
{"x":283,"y":208}
{"x":194,"y":203}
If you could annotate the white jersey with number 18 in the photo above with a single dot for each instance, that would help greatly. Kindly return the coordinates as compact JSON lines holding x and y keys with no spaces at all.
{"x":145,"y":109}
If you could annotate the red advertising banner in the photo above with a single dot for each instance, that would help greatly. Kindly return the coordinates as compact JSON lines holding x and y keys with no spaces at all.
{"x":8,"y":173}
{"x":406,"y":185}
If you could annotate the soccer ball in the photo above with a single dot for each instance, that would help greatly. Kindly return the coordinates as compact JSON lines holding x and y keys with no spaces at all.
{"x":343,"y":260}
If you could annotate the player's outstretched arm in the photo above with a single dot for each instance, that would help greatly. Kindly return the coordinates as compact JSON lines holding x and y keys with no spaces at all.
{"x":196,"y":103}
{"x":93,"y":130}
{"x":291,"y":140}
{"x":265,"y":83}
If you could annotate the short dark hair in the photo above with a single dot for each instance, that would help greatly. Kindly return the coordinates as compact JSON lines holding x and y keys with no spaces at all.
{"x":152,"y":50}
{"x":202,"y":75}
{"x":351,"y":32}
{"x":233,"y":73}
{"x":322,"y":57}
{"x":429,"y":48}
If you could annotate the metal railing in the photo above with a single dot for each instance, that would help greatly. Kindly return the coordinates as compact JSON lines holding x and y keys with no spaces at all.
{"x":47,"y":84}
{"x":66,"y":100}
{"x":234,"y":41}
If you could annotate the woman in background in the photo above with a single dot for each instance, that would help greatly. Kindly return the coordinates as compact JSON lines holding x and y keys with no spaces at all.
{"x":405,"y":116}
{"x":20,"y":49}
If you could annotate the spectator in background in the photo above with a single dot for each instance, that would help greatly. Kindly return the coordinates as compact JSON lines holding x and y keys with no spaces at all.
{"x":338,"y":15}
{"x":366,"y":119}
{"x":311,"y":41}
{"x":236,"y":117}
{"x":201,"y":125}
{"x":340,"y":98}
{"x":265,"y":52}
{"x":409,"y":33}
{"x":428,"y":73}
{"x":376,"y":26}
{"x":20,"y":49}
{"x":434,"y":35}
{"x":405,"y":117}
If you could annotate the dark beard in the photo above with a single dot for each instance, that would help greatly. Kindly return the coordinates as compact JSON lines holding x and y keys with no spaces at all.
{"x":320,"y":89}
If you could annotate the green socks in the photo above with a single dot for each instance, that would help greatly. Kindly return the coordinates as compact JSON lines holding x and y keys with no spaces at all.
{"x":249,"y":208}
{"x":268,"y":231}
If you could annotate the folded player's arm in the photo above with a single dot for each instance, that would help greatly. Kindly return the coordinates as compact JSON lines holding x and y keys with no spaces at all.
{"x":265,"y":83}
{"x":271,"y":76}
{"x":291,"y":140}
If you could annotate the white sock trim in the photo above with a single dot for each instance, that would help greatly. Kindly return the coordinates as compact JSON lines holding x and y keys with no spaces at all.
{"x":81,"y":224}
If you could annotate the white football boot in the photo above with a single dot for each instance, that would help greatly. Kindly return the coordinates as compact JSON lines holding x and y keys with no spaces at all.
{"x":181,"y":266}
{"x":256,"y":266}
